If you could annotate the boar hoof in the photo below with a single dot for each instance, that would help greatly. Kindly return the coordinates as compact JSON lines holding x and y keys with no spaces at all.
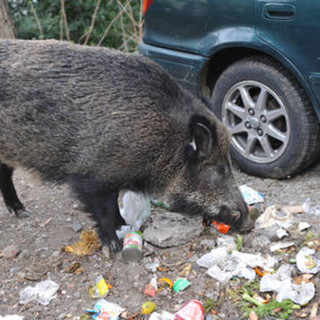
{"x":24,"y":213}
{"x":114,"y":244}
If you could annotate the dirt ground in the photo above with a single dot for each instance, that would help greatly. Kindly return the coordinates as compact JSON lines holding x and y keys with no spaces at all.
{"x":40,"y":239}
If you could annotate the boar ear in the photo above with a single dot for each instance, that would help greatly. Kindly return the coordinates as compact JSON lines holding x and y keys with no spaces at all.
{"x":202,"y":141}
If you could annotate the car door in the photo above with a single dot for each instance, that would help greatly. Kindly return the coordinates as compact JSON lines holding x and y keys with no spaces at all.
{"x":292,"y":27}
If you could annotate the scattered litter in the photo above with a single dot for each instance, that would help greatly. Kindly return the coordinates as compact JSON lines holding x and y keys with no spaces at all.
{"x":132,"y":247}
{"x":255,"y":260}
{"x":164,"y":315}
{"x":303,"y":226}
{"x":153,"y":266}
{"x":308,"y":261}
{"x":275,"y":246}
{"x":148,"y":307}
{"x":181,"y":284}
{"x":277,"y":215}
{"x":10,"y":252}
{"x":106,"y":310}
{"x":281,"y":233}
{"x":226,"y":241}
{"x":215,"y":256}
{"x":88,"y":244}
{"x":136,"y":209}
{"x":163,"y":282}
{"x":42,"y":293}
{"x":11,"y":317}
{"x":250,"y":195}
{"x":100,"y":289}
{"x":150,"y":290}
{"x":192,"y":310}
{"x":221,"y":227}
{"x":223,"y":266}
{"x":311,"y":208}
{"x":260,"y":272}
{"x":281,"y":282}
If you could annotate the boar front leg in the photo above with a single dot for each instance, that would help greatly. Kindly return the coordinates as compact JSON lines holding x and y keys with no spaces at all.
{"x":9,"y":193}
{"x":103,"y":205}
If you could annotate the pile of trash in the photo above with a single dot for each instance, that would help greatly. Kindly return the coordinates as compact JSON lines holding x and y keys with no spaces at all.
{"x":280,"y":284}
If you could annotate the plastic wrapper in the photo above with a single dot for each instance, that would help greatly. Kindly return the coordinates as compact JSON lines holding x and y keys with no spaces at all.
{"x":181,"y":284}
{"x":44,"y":292}
{"x":100,"y":289}
{"x":250,"y":195}
{"x":106,"y":310}
{"x":192,"y":310}
{"x":308,"y":261}
{"x":136,"y":209}
{"x":282,"y":283}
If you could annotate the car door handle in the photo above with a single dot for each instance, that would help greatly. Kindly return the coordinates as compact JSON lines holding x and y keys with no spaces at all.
{"x":279,"y":11}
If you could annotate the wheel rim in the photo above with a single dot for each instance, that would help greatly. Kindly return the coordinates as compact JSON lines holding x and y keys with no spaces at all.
{"x":257,"y":121}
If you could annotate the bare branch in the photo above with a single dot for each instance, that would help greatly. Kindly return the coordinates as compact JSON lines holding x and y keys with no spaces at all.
{"x":94,"y":17}
{"x":34,"y":12}
{"x":64,"y":15}
{"x":124,"y":42}
{"x":111,"y":24}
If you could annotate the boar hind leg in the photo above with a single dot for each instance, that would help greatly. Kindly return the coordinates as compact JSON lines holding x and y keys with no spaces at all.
{"x":103,"y":205}
{"x":9,"y":193}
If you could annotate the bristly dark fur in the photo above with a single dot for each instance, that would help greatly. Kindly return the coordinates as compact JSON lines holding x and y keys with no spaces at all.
{"x":104,"y":121}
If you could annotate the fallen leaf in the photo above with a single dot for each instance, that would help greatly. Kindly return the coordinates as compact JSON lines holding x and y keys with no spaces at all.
{"x":253,"y":316}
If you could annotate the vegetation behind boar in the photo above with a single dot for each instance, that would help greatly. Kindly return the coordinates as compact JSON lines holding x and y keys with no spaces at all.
{"x":103,"y":121}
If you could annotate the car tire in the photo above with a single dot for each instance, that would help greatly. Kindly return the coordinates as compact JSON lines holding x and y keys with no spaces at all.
{"x":274,"y":129}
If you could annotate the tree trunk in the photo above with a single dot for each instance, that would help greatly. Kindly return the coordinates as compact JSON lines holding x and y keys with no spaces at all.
{"x":7,"y":30}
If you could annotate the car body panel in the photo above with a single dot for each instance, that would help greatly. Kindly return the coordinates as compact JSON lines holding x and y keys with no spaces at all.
{"x":277,"y":28}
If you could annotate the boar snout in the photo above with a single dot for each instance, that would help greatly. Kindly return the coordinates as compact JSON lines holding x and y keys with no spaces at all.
{"x":242,"y":222}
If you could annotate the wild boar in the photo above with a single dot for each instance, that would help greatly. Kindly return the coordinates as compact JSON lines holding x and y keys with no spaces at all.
{"x":104,"y":121}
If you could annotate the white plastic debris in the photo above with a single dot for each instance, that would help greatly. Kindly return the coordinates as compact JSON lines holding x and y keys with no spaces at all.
{"x":275,"y":215}
{"x":308,"y":261}
{"x":153,"y":266}
{"x":222,"y":265}
{"x":250,"y":195}
{"x":214,"y":257}
{"x":256,"y":260}
{"x":227,"y":241}
{"x":11,"y":317}
{"x":311,"y":208}
{"x":42,"y":293}
{"x":303,"y":226}
{"x":136,"y":209}
{"x":275,"y":246}
{"x":282,"y":283}
{"x":281,"y":233}
{"x":231,"y":268}
{"x":164,"y":315}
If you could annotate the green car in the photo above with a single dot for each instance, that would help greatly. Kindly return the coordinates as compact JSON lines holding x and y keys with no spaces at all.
{"x":258,"y":61}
